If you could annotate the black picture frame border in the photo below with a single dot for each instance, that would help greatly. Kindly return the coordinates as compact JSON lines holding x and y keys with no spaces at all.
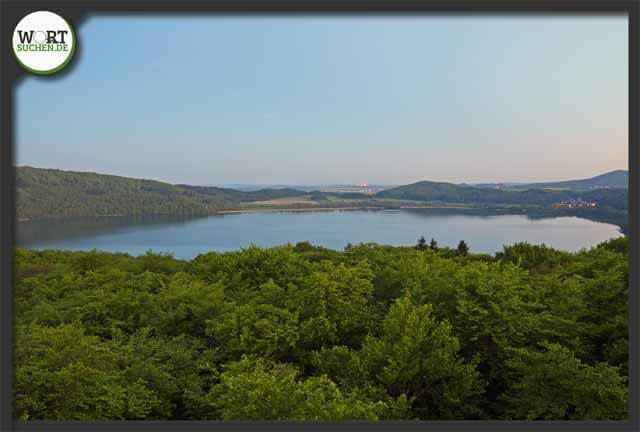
{"x":76,"y":10}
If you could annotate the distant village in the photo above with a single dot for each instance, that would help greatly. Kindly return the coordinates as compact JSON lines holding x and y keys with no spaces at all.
{"x":574,"y":204}
{"x":364,"y":188}
{"x":609,"y":187}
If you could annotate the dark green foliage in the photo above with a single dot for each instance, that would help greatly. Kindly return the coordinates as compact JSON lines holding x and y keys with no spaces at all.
{"x":555,"y":385}
{"x":49,"y":193}
{"x":536,"y":258}
{"x":417,"y":357}
{"x":259,"y":389}
{"x":463,"y":248}
{"x":619,"y":245}
{"x":451,"y":193}
{"x":63,"y":374}
{"x":307,"y":333}
{"x":529,"y":196}
{"x":56,"y":194}
{"x":232,"y":195}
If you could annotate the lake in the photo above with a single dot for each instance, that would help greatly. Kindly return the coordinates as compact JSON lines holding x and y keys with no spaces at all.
{"x":186,"y":238}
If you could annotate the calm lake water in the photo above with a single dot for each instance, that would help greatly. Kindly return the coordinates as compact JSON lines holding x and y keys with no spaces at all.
{"x":186,"y":238}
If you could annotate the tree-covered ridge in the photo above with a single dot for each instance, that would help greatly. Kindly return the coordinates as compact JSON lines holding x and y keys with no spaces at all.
{"x":232,"y":195}
{"x":616,"y":178}
{"x":611,"y":180}
{"x":55,"y":193}
{"x":48,"y":193}
{"x":307,"y":333}
{"x":452,"y":193}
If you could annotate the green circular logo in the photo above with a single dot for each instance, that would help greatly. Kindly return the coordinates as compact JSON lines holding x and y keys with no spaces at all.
{"x":43,"y":42}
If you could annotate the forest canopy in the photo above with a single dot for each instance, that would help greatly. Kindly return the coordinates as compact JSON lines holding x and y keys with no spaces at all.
{"x":307,"y":333}
{"x":51,"y":193}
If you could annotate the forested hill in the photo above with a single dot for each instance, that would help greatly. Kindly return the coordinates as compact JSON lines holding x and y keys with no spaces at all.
{"x":51,"y":193}
{"x":54,"y":193}
{"x":449,"y":192}
{"x":233,"y":195}
{"x":617,"y":178}
{"x":452,"y":193}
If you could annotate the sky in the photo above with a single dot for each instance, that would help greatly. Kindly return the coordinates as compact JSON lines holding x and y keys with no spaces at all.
{"x":328,"y":99}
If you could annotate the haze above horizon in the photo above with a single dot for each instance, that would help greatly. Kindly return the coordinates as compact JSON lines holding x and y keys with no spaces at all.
{"x":334,"y":100}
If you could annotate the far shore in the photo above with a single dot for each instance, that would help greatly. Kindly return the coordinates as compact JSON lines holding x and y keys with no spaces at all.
{"x":310,"y":209}
{"x":296,"y":209}
{"x":279,"y":209}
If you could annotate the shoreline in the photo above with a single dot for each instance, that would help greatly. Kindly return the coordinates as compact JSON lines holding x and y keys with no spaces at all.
{"x":269,"y":210}
{"x":272,"y":210}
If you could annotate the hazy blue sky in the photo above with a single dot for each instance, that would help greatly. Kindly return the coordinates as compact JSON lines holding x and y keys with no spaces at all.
{"x":330,"y":99}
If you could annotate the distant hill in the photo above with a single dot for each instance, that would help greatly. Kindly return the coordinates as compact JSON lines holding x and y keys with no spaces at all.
{"x":52,"y":193}
{"x":614,"y":179}
{"x":233,"y":195}
{"x":493,"y":185}
{"x":452,"y":193}
{"x":42,"y":193}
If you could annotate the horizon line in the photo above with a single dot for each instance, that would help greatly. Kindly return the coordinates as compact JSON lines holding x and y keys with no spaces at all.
{"x":286,"y":184}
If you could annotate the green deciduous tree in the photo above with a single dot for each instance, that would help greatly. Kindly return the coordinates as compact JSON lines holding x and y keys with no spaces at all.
{"x":255,"y":389}
{"x":554,"y":384}
{"x":302,"y":332}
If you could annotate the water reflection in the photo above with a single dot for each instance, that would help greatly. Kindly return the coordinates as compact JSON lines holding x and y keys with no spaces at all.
{"x":483,"y":230}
